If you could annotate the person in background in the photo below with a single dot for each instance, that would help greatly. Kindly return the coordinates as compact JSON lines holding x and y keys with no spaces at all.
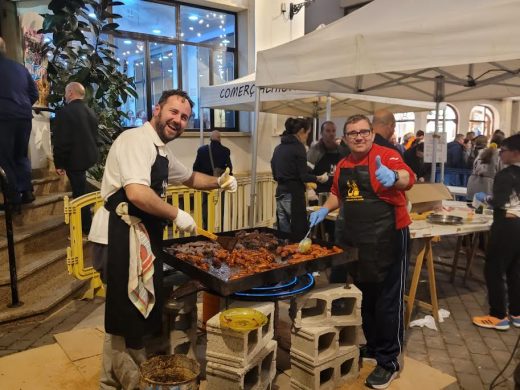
{"x":140,"y":118}
{"x":384,"y":127}
{"x":289,"y":168}
{"x":499,"y":132}
{"x":478,"y":144}
{"x":324,"y":155}
{"x":414,"y":158}
{"x":408,"y":140}
{"x":503,"y":252}
{"x":370,"y":183}
{"x":130,"y":121}
{"x":457,"y":156}
{"x":344,"y":150}
{"x":419,"y":137}
{"x":397,"y":145}
{"x":138,"y":168}
{"x":485,"y":167}
{"x":213,"y":159}
{"x":75,"y":144}
{"x":18,"y":93}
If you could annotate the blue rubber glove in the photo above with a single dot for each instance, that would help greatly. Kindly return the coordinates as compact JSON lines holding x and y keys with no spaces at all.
{"x":318,"y":216}
{"x":481,"y":197}
{"x":384,"y":175}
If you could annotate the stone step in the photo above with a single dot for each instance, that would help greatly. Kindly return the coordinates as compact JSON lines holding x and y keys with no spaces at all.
{"x":45,"y":298}
{"x":31,"y":275}
{"x":49,"y":185}
{"x":48,"y":235}
{"x":39,"y":210}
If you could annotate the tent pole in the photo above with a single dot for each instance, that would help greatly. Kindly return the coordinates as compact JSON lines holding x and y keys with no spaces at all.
{"x":201,"y":126}
{"x":254,"y":151}
{"x":329,"y":108}
{"x":444,"y":131}
{"x":439,"y":97}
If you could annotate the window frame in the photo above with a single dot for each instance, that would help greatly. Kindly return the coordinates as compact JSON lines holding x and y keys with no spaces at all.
{"x":486,"y":109}
{"x":149,"y":39}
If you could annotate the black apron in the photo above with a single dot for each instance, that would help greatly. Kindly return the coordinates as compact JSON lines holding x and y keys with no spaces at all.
{"x":122,"y":318}
{"x":327,"y":163}
{"x":369,"y":225}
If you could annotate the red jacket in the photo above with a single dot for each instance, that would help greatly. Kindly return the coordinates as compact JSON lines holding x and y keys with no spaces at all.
{"x":393,"y":160}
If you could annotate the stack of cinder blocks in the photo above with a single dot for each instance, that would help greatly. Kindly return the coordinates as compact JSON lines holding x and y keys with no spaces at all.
{"x":181,"y":317}
{"x":324,"y":337}
{"x":241,"y":360}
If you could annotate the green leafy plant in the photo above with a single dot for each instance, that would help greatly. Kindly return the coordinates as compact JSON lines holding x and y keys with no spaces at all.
{"x":80,"y":51}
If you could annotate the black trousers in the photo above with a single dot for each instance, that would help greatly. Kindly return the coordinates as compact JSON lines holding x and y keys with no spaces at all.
{"x":78,"y":183}
{"x":14,"y":146}
{"x":382,"y":309}
{"x":503,"y":262}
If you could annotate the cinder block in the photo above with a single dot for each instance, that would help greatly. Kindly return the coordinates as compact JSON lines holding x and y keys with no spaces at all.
{"x":236,"y":348}
{"x":315,"y":345}
{"x":257,"y":375}
{"x":348,"y":337}
{"x":331,"y":305}
{"x":307,"y":377}
{"x":340,"y":370}
{"x":347,"y":367}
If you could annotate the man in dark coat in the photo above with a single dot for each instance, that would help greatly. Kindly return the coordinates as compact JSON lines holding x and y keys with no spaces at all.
{"x":18,"y":93}
{"x":74,"y":138}
{"x":219,"y":160}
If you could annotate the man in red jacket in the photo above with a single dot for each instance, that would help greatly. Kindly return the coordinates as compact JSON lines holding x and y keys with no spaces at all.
{"x":369,"y":184}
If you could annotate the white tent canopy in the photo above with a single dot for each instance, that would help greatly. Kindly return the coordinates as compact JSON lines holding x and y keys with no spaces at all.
{"x":441,"y":50}
{"x":397,"y":49}
{"x":239,"y":95}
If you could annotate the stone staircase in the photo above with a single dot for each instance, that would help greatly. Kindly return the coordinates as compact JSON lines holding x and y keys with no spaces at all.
{"x":40,"y":239}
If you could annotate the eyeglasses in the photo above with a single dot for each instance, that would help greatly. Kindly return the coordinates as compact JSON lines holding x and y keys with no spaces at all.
{"x":365,"y":133}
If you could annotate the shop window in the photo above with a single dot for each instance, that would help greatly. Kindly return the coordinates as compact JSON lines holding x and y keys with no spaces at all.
{"x":481,"y":120}
{"x":147,"y":18}
{"x":404,"y":123}
{"x":451,"y":122}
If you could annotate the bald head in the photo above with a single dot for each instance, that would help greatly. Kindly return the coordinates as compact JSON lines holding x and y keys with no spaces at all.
{"x":3,"y":49}
{"x":215,"y":135}
{"x":74,"y":91}
{"x":384,"y":123}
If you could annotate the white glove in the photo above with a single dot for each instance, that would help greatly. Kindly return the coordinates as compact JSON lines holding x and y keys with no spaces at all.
{"x":227,"y":182}
{"x":323,"y":178}
{"x":184,"y":222}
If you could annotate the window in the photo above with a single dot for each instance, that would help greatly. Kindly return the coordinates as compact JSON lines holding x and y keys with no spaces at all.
{"x":174,"y":45}
{"x":451,"y":124}
{"x":404,"y":123}
{"x":481,"y":120}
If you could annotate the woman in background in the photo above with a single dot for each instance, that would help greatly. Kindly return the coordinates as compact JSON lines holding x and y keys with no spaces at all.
{"x":485,"y":167}
{"x":289,"y":167}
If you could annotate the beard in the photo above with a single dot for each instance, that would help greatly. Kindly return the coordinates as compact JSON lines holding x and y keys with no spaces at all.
{"x":163,"y":127}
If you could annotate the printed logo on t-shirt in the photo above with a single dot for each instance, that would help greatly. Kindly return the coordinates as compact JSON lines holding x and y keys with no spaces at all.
{"x":353,"y":192}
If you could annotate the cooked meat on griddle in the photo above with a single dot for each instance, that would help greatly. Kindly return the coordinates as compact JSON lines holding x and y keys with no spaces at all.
{"x":257,"y":240}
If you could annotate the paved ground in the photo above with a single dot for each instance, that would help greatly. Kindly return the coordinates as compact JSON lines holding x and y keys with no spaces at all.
{"x":473,"y":355}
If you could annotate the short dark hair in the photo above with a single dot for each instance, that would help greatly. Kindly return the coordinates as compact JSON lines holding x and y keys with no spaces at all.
{"x":174,"y":92}
{"x":419,"y":133}
{"x":512,"y":143}
{"x":355,"y":119}
{"x":293,"y":125}
{"x":322,"y":127}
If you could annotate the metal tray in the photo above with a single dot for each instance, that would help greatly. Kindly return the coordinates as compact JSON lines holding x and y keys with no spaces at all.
{"x":215,"y":282}
{"x":441,"y":219}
